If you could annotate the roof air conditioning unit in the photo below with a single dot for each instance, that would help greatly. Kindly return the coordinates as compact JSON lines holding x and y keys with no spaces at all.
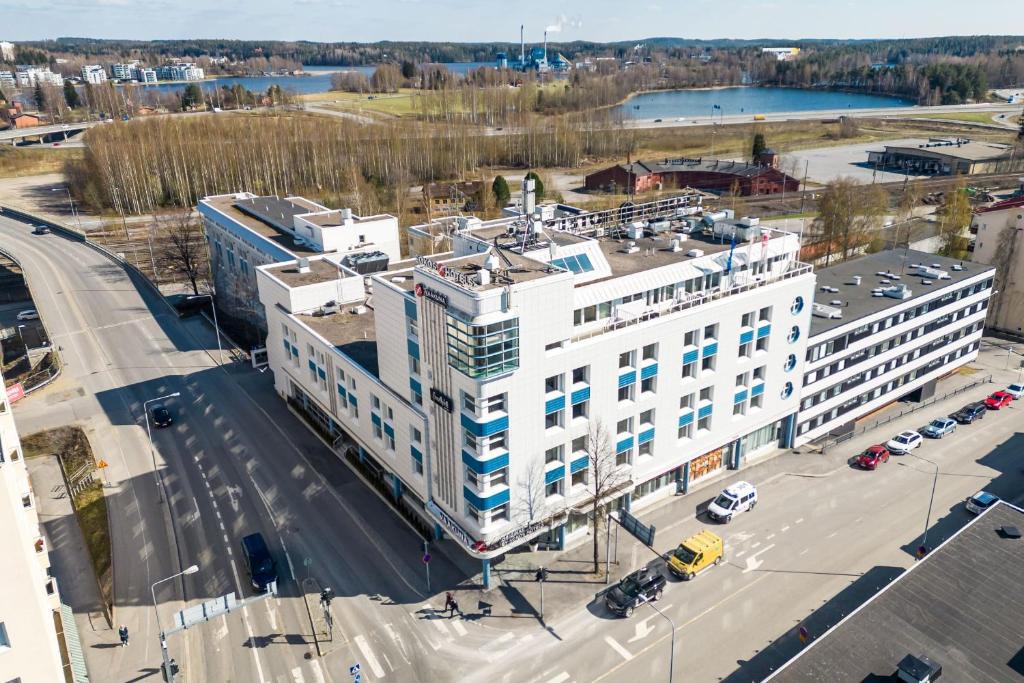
{"x":695,"y":253}
{"x":913,"y":669}
{"x":302,"y":265}
{"x":358,"y":310}
{"x":483,"y":277}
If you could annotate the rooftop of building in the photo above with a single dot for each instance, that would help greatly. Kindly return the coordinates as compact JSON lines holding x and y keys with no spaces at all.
{"x":352,"y":334}
{"x":336,"y":218}
{"x":655,"y":252}
{"x":699,"y":165}
{"x":959,"y":148}
{"x":884,"y":269}
{"x":961,"y":607}
{"x":286,"y":208}
{"x":316,"y":271}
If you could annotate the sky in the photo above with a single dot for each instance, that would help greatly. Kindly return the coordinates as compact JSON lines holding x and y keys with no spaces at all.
{"x":480,"y":21}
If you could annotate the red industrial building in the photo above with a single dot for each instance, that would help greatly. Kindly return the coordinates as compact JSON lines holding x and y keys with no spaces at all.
{"x":712,"y":175}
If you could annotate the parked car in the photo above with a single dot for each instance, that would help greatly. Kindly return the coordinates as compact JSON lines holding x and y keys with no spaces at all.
{"x":258,"y":562}
{"x":695,"y":554}
{"x":641,"y":586}
{"x":873,"y":457}
{"x":993,"y":402}
{"x":939,"y":427}
{"x":159,"y":415}
{"x":904,"y":442}
{"x":739,"y":497}
{"x":40,"y":230}
{"x":1016,"y":390}
{"x":970,"y":412}
{"x":981,"y":501}
{"x":30,"y":314}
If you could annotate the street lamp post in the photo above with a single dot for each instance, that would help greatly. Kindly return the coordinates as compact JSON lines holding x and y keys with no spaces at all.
{"x":931,"y":500}
{"x":120,"y":210}
{"x":216,"y":328}
{"x":149,"y":433}
{"x":672,"y":643}
{"x":163,"y":641}
{"x":74,"y":212}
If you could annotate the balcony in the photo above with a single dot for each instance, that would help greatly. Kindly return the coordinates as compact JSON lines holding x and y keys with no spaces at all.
{"x":623,"y":317}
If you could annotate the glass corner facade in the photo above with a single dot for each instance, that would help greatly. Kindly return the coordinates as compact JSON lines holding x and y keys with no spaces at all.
{"x":483,"y":351}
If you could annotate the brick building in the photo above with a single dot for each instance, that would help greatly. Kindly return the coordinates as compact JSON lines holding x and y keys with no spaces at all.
{"x":713,"y":175}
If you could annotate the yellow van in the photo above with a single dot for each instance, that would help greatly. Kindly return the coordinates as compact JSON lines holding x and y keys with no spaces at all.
{"x":696,"y":554}
{"x":759,"y":117}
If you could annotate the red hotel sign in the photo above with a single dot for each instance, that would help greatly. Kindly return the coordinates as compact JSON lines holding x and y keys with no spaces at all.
{"x":15,"y":392}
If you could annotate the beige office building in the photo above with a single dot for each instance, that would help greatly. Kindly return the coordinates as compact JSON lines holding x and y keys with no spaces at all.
{"x":29,"y":603}
{"x":999,"y":241}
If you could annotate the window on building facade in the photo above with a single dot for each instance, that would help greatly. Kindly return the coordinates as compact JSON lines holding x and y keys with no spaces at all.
{"x":417,"y":466}
{"x":553,"y":489}
{"x":581,"y":375}
{"x":389,"y":441}
{"x":626,"y":359}
{"x":710,"y":333}
{"x":554,"y":454}
{"x":649,"y":385}
{"x":686,"y":431}
{"x":580,"y":478}
{"x":690,"y":338}
{"x":704,"y":424}
{"x":686,"y":401}
{"x":647,"y":418}
{"x":579,"y":445}
{"x":468,"y":403}
{"x":708,"y":363}
{"x":414,"y":365}
{"x":554,"y":419}
{"x":624,"y":457}
{"x":739,"y":408}
{"x":742,"y":379}
{"x":746,"y":349}
{"x":480,"y":351}
{"x":579,"y":410}
{"x":650,"y":352}
{"x":553,"y":383}
{"x":375,"y":402}
{"x":626,"y":392}
{"x":761,"y":344}
{"x":378,"y":433}
{"x":765,"y":314}
{"x":469,"y":439}
{"x":689,"y":370}
{"x":707,"y":394}
{"x":415,"y":435}
{"x":759,"y":373}
{"x":645,"y":449}
{"x":494,"y":404}
{"x":757,"y":401}
{"x":624,"y":426}
{"x":747,"y":320}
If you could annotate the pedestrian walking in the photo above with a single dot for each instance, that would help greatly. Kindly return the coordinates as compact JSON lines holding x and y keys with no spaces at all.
{"x":123,"y":632}
{"x":449,"y":600}
{"x":455,"y":608}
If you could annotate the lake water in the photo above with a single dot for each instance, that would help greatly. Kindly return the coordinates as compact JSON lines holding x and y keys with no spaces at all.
{"x":318,"y":81}
{"x":735,"y":101}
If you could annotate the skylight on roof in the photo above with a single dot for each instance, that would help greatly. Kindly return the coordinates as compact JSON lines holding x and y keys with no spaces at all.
{"x":579,"y":263}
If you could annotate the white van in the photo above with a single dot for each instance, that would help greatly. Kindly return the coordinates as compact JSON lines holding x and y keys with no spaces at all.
{"x":739,"y":497}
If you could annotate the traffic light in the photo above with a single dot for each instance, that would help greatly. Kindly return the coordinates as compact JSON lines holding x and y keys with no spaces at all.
{"x":172,"y":665}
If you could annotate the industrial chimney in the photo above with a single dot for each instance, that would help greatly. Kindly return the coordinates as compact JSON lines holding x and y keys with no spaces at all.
{"x":522,"y":46}
{"x":545,"y":47}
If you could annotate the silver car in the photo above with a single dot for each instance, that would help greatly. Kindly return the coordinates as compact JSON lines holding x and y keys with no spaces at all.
{"x":939,"y":427}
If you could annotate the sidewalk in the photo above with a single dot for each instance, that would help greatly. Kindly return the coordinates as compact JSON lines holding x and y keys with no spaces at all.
{"x":571,"y":582}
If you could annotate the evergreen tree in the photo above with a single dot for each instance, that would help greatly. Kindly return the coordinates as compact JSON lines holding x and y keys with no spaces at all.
{"x":538,"y":184}
{"x":40,"y":96}
{"x":408,"y":69}
{"x":3,"y":98}
{"x":191,"y":96}
{"x":70,"y":95}
{"x":500,"y":189}
{"x":758,"y":147}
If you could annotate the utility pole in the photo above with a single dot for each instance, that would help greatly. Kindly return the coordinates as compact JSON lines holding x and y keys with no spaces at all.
{"x":326,"y":595}
{"x":923,"y":550}
{"x":672,"y":642}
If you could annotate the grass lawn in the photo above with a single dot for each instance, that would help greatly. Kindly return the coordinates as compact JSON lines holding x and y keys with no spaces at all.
{"x":402,"y":103}
{"x":91,"y":505}
{"x":971,"y":116}
{"x":16,"y":162}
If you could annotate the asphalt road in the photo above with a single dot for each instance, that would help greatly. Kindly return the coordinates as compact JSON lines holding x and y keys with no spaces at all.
{"x":234,"y":462}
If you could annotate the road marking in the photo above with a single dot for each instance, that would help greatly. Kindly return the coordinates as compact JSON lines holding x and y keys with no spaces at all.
{"x":799,"y":520}
{"x":271,"y":616}
{"x":221,"y":525}
{"x":213,"y":502}
{"x":560,"y":678}
{"x":804,"y":551}
{"x":754,"y":545}
{"x":643,"y":628}
{"x":832,"y":534}
{"x":740,"y":537}
{"x":222,"y":631}
{"x":741,"y":553}
{"x":318,"y":673}
{"x":784,"y":529}
{"x":857,"y":521}
{"x":460,"y":630}
{"x":297,"y":675}
{"x":437,"y":621}
{"x":752,"y":561}
{"x":226,"y":539}
{"x":614,"y":644}
{"x":769,"y":537}
{"x":371,"y":659}
{"x":398,"y":641}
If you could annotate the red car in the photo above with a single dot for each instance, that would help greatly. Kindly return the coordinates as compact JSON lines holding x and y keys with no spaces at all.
{"x":998,"y":400}
{"x":873,"y":457}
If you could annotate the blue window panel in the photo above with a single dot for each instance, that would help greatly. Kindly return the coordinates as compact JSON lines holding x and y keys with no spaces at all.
{"x":375,"y":419}
{"x":416,"y":455}
{"x":649,"y":371}
{"x":581,"y":395}
{"x":322,"y":373}
{"x":484,"y":466}
{"x":690,"y":357}
{"x":686,"y":419}
{"x":485,"y":428}
{"x":341,"y":391}
{"x":487,"y":503}
{"x":352,"y":400}
{"x":624,"y":445}
{"x":577,"y":264}
{"x":746,"y":337}
{"x":295,"y":351}
{"x":554,"y":405}
{"x":704,"y":411}
{"x":764,"y":331}
{"x":410,"y":309}
{"x":579,"y":463}
{"x":646,"y":435}
{"x":554,"y":474}
{"x":415,"y":386}
{"x":626,"y":379}
{"x":414,"y":348}
{"x":287,"y":347}
{"x":757,"y":390}
{"x":312,"y":365}
{"x":709,"y":350}
{"x":389,"y":430}
{"x":740,"y":396}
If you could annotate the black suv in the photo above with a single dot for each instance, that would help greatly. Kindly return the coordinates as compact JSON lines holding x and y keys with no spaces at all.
{"x":160,"y":416}
{"x":258,"y":562}
{"x":969,"y":413}
{"x":635,"y":589}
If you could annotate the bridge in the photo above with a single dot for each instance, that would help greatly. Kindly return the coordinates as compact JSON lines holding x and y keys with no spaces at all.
{"x":54,"y":133}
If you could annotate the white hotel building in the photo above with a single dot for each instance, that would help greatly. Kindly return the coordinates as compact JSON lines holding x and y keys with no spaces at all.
{"x":470,"y":383}
{"x":29,"y":602}
{"x":886,"y":327}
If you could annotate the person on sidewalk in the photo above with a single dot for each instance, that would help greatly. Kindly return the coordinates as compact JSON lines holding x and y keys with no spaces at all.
{"x":454,"y":608}
{"x":123,"y":632}
{"x":449,"y":600}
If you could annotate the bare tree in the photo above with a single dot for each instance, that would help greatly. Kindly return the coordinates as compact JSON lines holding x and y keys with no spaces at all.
{"x":954,"y":218}
{"x":848,"y":215}
{"x":186,"y":250}
{"x":532,"y":498}
{"x":604,"y":477}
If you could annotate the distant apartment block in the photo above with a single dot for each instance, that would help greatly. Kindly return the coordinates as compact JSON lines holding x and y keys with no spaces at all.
{"x":180,"y":71}
{"x":29,"y":602}
{"x":999,"y":242}
{"x":245,"y":231}
{"x":28,"y":76}
{"x":125,"y":71}
{"x":146,"y":75}
{"x":886,"y":327}
{"x":782,"y":54}
{"x":94,"y":74}
{"x":6,"y":51}
{"x":7,"y":79}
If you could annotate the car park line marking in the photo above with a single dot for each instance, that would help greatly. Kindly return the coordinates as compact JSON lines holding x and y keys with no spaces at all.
{"x":784,"y":529}
{"x":614,"y":644}
{"x":460,"y":630}
{"x":560,"y":678}
{"x":318,"y":673}
{"x":741,"y":553}
{"x":297,"y":675}
{"x":754,"y":545}
{"x":832,"y":534}
{"x":769,"y":537}
{"x":799,"y":520}
{"x":371,"y":659}
{"x":804,"y":551}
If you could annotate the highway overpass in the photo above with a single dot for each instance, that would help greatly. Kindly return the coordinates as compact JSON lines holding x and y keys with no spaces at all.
{"x":54,"y":133}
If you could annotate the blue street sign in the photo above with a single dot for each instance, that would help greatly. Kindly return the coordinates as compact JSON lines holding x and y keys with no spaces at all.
{"x":354,"y":670}
{"x":426,"y":558}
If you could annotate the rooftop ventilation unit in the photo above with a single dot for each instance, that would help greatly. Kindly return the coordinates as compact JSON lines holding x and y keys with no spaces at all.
{"x":1008,"y":531}
{"x":830,"y":290}
{"x":630,"y":248}
{"x":958,"y":267}
{"x":855,"y":280}
{"x":302,"y":265}
{"x":897,"y":292}
{"x":933,"y":273}
{"x":835,"y":302}
{"x":926,"y":282}
{"x":483,"y":277}
{"x":913,"y":669}
{"x":358,"y":310}
{"x":695,"y":253}
{"x":823,"y":311}
{"x":674,"y":245}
